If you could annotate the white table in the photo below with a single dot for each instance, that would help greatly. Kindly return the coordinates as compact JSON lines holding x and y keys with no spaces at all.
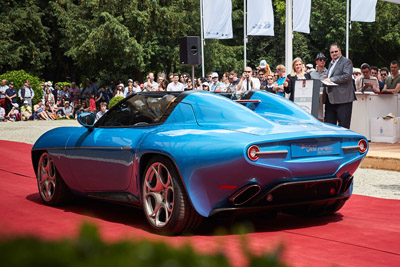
{"x":370,"y":106}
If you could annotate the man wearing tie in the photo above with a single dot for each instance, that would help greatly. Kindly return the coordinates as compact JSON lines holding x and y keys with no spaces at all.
{"x":339,"y":99}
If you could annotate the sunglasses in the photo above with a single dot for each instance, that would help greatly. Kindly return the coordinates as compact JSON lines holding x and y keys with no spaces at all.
{"x":383,"y":74}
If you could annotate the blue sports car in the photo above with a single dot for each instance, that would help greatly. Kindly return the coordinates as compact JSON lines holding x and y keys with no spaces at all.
{"x":185,"y":156}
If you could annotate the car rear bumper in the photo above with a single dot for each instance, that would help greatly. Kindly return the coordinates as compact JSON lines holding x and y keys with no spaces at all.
{"x":252,"y":196}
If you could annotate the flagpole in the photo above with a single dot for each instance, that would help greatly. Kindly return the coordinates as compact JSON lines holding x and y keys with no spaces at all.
{"x":245,"y":34}
{"x":202,"y":39}
{"x":288,"y":37}
{"x":347,"y":28}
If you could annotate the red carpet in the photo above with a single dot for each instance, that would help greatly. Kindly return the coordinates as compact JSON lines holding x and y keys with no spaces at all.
{"x":366,"y":232}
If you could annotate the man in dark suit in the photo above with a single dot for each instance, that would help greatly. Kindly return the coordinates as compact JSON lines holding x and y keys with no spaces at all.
{"x":339,"y":99}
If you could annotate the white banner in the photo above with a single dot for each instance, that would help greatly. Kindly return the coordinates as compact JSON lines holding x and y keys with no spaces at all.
{"x":363,"y":10}
{"x":260,"y":17}
{"x":301,"y":15}
{"x":393,"y":1}
{"x":217,"y":17}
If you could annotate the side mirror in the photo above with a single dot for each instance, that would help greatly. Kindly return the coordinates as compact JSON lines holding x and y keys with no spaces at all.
{"x":87,"y":119}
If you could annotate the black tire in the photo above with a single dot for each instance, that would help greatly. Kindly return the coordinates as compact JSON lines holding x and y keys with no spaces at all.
{"x":52,"y":189}
{"x":165,"y":203}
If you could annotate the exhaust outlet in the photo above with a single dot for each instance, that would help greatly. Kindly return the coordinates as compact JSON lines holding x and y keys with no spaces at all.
{"x":347,"y":179}
{"x":245,"y":194}
{"x":347,"y":185}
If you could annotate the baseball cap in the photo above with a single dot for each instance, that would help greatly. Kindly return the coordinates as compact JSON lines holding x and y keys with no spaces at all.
{"x":206,"y":84}
{"x":320,"y":56}
{"x":130,"y":81}
{"x":25,"y":101}
{"x":309,"y":66}
{"x":214,"y":75}
{"x":263,"y":63}
{"x":15,"y":105}
{"x":11,"y":83}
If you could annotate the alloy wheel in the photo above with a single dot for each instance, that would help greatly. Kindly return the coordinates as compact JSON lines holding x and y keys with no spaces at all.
{"x":158,"y":195}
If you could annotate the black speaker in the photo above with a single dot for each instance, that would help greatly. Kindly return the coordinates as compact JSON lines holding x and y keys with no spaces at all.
{"x":190,"y":50}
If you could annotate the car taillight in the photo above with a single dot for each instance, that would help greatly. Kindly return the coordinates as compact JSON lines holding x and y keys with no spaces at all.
{"x":362,"y":146}
{"x":252,"y":153}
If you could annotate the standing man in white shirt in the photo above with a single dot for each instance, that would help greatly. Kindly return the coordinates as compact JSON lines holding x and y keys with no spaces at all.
{"x":247,"y":82}
{"x":3,"y":88}
{"x":366,"y":82}
{"x":175,"y":85}
{"x":215,"y":85}
{"x":150,"y":85}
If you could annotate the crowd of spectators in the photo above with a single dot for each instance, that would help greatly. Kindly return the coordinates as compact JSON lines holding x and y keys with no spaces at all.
{"x":69,"y":101}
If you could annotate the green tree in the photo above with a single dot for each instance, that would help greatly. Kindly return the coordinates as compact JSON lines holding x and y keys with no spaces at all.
{"x":118,"y":39}
{"x":23,"y":37}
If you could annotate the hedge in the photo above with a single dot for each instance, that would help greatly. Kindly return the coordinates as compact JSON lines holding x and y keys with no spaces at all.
{"x":114,"y":101}
{"x":89,"y":250}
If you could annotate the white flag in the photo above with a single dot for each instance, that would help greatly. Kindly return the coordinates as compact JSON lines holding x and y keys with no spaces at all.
{"x":301,"y":15}
{"x":260,"y":17}
{"x":363,"y":10}
{"x":393,"y":1}
{"x":217,"y":17}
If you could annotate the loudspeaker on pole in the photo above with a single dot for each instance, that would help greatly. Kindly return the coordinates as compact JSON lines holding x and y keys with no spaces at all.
{"x":190,"y":50}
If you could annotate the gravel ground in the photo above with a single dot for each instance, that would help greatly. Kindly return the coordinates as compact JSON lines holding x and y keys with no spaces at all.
{"x":30,"y":131}
{"x":376,"y":183}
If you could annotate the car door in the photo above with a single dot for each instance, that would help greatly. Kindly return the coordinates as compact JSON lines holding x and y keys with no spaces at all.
{"x":103,"y":158}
